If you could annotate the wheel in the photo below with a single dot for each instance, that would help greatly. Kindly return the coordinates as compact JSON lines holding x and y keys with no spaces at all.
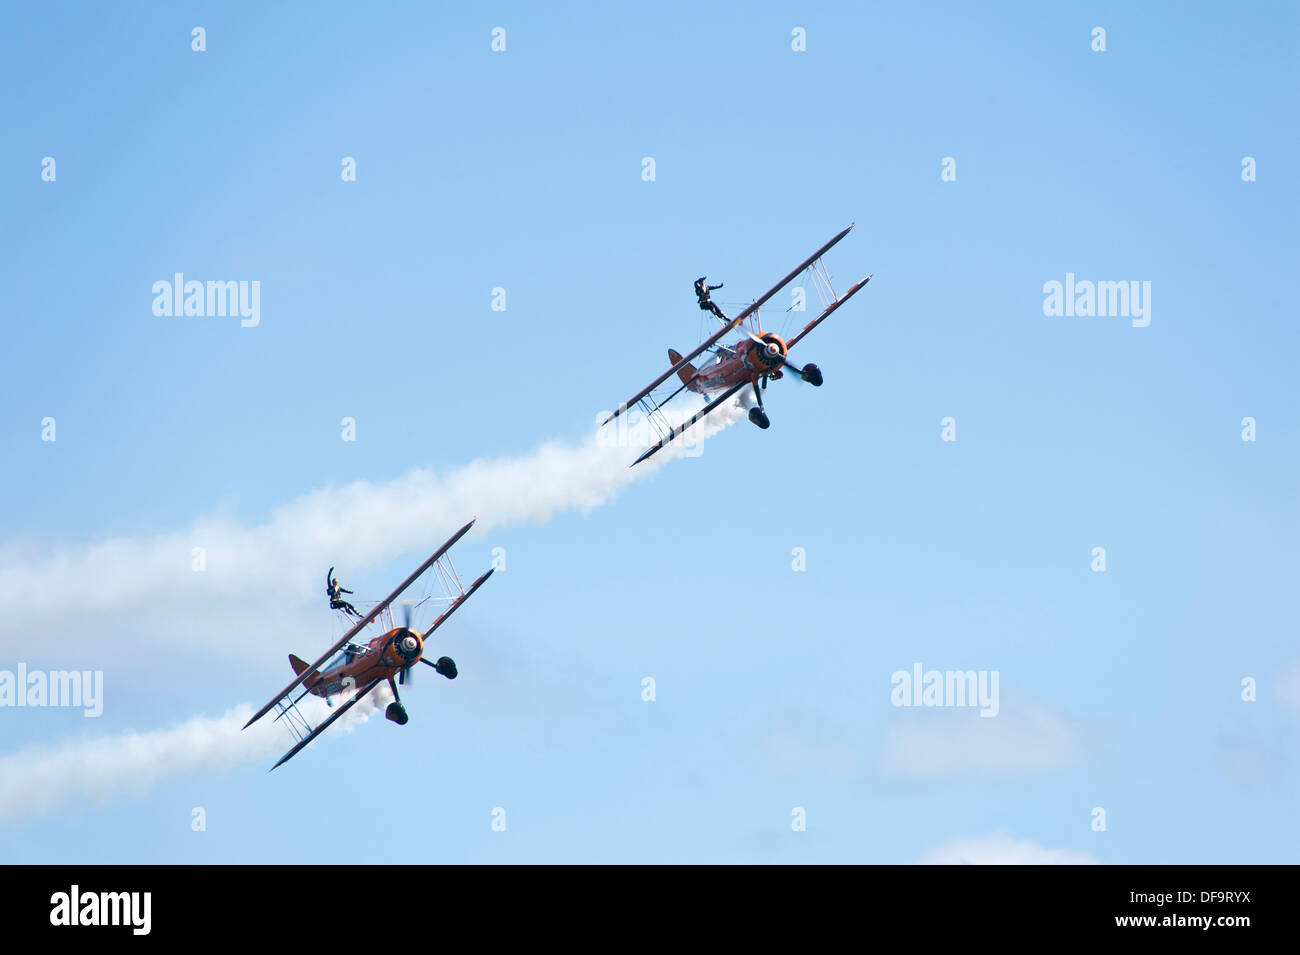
{"x":759,"y":417}
{"x":397,"y":713}
{"x":812,"y":374}
{"x":447,"y":667}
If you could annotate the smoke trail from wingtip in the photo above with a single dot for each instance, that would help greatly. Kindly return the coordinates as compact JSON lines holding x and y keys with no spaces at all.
{"x":368,"y":521}
{"x":41,"y":779}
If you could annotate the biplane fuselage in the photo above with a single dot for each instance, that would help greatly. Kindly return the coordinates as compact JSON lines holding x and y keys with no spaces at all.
{"x":748,"y":363}
{"x":383,"y":658}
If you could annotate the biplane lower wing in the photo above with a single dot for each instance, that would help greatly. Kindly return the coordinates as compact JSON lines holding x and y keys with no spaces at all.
{"x":730,"y":325}
{"x":361,"y":624}
{"x":681,"y":428}
{"x":326,"y":724}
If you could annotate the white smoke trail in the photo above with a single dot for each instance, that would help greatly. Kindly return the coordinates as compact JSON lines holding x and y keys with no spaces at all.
{"x":367,"y":521}
{"x":40,"y":779}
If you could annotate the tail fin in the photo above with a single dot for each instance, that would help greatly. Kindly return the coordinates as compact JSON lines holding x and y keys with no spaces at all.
{"x":687,"y":372}
{"x":298,"y":666}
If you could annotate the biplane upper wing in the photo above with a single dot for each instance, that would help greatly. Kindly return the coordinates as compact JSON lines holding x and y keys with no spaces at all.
{"x":681,"y":428}
{"x":362,"y":623}
{"x":326,"y":723}
{"x":730,"y":325}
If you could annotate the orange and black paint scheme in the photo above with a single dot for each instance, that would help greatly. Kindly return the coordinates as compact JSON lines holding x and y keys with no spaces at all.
{"x":387,"y":657}
{"x":754,"y":360}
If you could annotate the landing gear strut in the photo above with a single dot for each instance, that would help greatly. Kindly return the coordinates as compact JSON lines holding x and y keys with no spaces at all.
{"x":757,"y":415}
{"x":396,"y":711}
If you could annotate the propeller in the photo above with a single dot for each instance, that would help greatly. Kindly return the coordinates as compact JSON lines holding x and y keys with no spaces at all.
{"x":741,"y":328}
{"x":769,"y":347}
{"x":407,"y":673}
{"x":814,"y":377}
{"x":809,"y":373}
{"x":765,"y":345}
{"x":446,"y":666}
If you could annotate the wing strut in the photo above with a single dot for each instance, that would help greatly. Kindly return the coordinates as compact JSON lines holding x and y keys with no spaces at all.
{"x":677,"y":431}
{"x":826,"y":314}
{"x":456,"y":604}
{"x":326,"y":725}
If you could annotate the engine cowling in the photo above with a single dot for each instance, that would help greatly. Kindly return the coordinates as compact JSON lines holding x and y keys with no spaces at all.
{"x":404,"y":648}
{"x":768,"y":355}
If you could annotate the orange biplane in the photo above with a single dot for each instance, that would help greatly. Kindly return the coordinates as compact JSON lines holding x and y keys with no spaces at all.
{"x":751,"y":362}
{"x":388,"y":656}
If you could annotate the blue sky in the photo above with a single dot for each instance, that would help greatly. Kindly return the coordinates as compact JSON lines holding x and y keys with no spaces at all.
{"x":522,"y":170}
